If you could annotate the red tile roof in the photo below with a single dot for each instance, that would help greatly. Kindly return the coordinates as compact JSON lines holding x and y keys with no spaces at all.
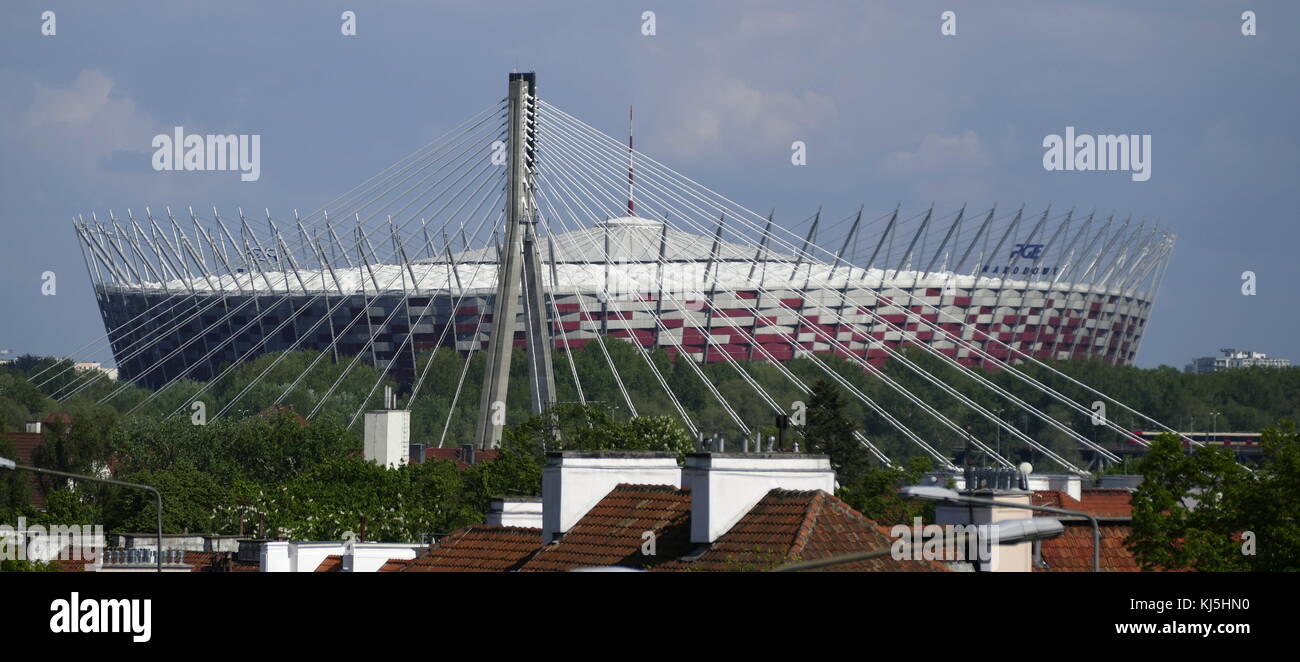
{"x":612,"y":532}
{"x":203,"y":561}
{"x":71,"y":565}
{"x":1072,"y":550}
{"x":479,"y":548}
{"x":219,"y":562}
{"x":456,"y":455}
{"x":25,"y":445}
{"x":1108,"y":501}
{"x":801,"y":526}
{"x":334,"y":563}
{"x":58,"y":417}
{"x":275,"y":412}
{"x":1097,"y":501}
{"x":331,"y":563}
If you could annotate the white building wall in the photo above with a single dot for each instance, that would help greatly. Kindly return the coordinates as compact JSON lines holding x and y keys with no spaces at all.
{"x":725,"y":486}
{"x":574,"y":481}
{"x":388,"y":437}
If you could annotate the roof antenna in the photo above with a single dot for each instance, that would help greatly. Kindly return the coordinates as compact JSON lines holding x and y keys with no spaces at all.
{"x":631,"y":207}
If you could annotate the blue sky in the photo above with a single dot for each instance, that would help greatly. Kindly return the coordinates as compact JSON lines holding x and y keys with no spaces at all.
{"x":890,"y":110}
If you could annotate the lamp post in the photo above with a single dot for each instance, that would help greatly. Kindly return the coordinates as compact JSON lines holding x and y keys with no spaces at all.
{"x":999,"y":433}
{"x":1214,"y":423}
{"x":6,"y":463}
{"x":951,"y":497}
{"x":1009,"y":532}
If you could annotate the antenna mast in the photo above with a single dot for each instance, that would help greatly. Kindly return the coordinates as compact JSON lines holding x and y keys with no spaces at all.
{"x":631,"y":205}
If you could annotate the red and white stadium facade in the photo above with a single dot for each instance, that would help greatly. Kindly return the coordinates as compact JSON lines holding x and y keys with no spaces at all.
{"x":1088,"y":292}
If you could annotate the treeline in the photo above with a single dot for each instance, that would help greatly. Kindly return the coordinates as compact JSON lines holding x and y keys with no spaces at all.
{"x":249,"y":466}
{"x":445,"y":409}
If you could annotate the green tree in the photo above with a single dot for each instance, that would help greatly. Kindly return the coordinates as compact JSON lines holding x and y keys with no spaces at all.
{"x":14,"y":486}
{"x":593,"y":427}
{"x":875,"y":493}
{"x":830,"y":431}
{"x":1271,"y":505}
{"x":1188,"y":508}
{"x":189,"y":496}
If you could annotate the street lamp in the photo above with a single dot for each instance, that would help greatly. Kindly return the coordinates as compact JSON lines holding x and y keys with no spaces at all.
{"x":1214,"y":423}
{"x":1008,"y":532}
{"x":999,"y":433}
{"x":944,"y":495}
{"x":6,"y":463}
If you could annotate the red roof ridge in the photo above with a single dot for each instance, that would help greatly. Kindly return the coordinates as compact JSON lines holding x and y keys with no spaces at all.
{"x":481,"y":547}
{"x":811,"y":511}
{"x":611,"y":532}
{"x":649,"y":487}
{"x":787,"y":525}
{"x":331,"y":563}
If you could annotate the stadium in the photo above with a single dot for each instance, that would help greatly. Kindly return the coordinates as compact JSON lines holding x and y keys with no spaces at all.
{"x":624,"y":247}
{"x":650,"y":284}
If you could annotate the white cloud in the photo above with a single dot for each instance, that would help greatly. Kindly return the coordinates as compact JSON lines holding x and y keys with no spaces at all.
{"x":726,"y":114}
{"x":84,"y":121}
{"x":946,"y":167}
{"x":939,"y":154}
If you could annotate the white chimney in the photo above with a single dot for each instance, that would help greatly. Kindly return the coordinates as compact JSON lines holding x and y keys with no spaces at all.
{"x":1004,"y":558}
{"x":574,"y":481}
{"x":275,"y":557}
{"x":725,"y":486}
{"x":516,"y":511}
{"x":1069,"y":483}
{"x":388,"y":437}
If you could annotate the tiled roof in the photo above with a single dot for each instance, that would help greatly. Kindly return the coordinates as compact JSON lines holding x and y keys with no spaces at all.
{"x":25,"y":445}
{"x":203,"y":561}
{"x":70,"y":565}
{"x":334,"y":563}
{"x":1072,"y":550}
{"x":58,"y":417}
{"x":219,"y":562}
{"x":331,"y":563}
{"x":801,"y":526}
{"x":611,"y":533}
{"x":479,"y":548}
{"x":393,"y":565}
{"x":457,"y":456}
{"x":274,"y":412}
{"x":1098,"y":501}
{"x":1108,"y":501}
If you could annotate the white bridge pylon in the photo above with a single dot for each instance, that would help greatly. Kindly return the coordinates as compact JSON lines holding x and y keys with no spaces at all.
{"x":467,"y":242}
